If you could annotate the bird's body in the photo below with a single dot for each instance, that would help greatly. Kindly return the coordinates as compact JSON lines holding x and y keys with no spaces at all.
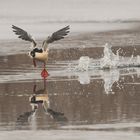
{"x":40,"y":54}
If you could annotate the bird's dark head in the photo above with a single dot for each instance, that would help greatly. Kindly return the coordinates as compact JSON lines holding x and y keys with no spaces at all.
{"x":32,"y":53}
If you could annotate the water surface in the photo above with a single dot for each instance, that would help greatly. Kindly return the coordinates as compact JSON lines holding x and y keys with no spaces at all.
{"x":80,"y":99}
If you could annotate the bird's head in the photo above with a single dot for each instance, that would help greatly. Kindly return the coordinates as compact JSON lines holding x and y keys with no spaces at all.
{"x":32,"y":54}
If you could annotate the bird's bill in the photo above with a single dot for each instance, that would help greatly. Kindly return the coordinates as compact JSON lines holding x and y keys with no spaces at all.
{"x":34,"y":62}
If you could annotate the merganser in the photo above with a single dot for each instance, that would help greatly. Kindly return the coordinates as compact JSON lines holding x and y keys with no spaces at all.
{"x":40,"y":54}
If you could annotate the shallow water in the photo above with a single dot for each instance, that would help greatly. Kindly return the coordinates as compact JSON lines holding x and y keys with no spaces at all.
{"x":79,"y":100}
{"x":102,"y":105}
{"x":91,"y":92}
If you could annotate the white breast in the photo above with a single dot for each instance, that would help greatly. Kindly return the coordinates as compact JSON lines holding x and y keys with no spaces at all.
{"x":42,"y":56}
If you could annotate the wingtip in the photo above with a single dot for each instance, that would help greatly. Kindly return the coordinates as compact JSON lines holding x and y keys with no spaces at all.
{"x":68,"y":26}
{"x":13,"y":26}
{"x":13,"y":29}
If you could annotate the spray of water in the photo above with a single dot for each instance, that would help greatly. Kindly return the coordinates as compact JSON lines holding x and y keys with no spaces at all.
{"x":109,"y":61}
{"x":84,"y":63}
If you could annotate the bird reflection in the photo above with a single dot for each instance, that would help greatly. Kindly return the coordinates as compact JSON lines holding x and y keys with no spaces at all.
{"x":25,"y":117}
{"x":40,"y":97}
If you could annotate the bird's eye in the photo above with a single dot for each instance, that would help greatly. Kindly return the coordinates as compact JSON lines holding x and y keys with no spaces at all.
{"x":32,"y":53}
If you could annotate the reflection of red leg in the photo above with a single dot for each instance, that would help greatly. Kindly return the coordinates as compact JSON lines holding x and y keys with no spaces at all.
{"x":34,"y":88}
{"x":44,"y":83}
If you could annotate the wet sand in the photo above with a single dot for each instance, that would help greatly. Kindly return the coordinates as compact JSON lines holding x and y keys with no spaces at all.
{"x":69,"y":104}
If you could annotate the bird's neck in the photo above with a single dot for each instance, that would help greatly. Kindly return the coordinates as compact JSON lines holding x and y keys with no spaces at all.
{"x":45,"y":46}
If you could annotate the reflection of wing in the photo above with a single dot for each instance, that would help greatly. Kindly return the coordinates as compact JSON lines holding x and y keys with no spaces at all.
{"x":23,"y":34}
{"x":58,"y":34}
{"x":57,"y":116}
{"x":46,"y":105}
{"x":25,"y":117}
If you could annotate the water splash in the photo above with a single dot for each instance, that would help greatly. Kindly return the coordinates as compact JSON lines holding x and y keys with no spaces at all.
{"x":110,"y":77}
{"x":84,"y":63}
{"x":109,"y":61}
{"x":84,"y":78}
{"x":106,"y":67}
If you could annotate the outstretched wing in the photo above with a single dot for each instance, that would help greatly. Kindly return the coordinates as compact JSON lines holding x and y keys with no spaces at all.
{"x":23,"y":34}
{"x":58,"y":34}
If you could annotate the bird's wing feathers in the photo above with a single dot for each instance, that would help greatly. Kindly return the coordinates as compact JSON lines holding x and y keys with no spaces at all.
{"x":58,"y":34}
{"x":23,"y":34}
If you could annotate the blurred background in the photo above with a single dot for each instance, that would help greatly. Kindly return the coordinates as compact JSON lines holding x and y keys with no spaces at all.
{"x":42,"y":13}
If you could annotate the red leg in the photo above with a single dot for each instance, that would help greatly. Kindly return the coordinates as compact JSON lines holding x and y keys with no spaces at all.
{"x":44,"y":72}
{"x":34,"y":62}
{"x":44,"y":65}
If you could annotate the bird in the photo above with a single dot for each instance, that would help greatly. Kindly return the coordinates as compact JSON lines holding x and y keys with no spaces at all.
{"x":41,"y":97}
{"x":40,"y":53}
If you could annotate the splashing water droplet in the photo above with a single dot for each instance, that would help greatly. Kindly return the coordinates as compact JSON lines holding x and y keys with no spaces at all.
{"x":83,"y":65}
{"x":110,"y":60}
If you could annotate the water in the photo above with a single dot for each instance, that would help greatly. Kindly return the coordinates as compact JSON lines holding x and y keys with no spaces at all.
{"x":93,"y":88}
{"x":79,"y":97}
{"x":45,"y":17}
{"x":109,"y":61}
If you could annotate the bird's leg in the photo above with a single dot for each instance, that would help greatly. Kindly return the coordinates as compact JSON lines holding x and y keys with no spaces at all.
{"x":44,"y":65}
{"x":34,"y":62}
{"x":44,"y":72}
